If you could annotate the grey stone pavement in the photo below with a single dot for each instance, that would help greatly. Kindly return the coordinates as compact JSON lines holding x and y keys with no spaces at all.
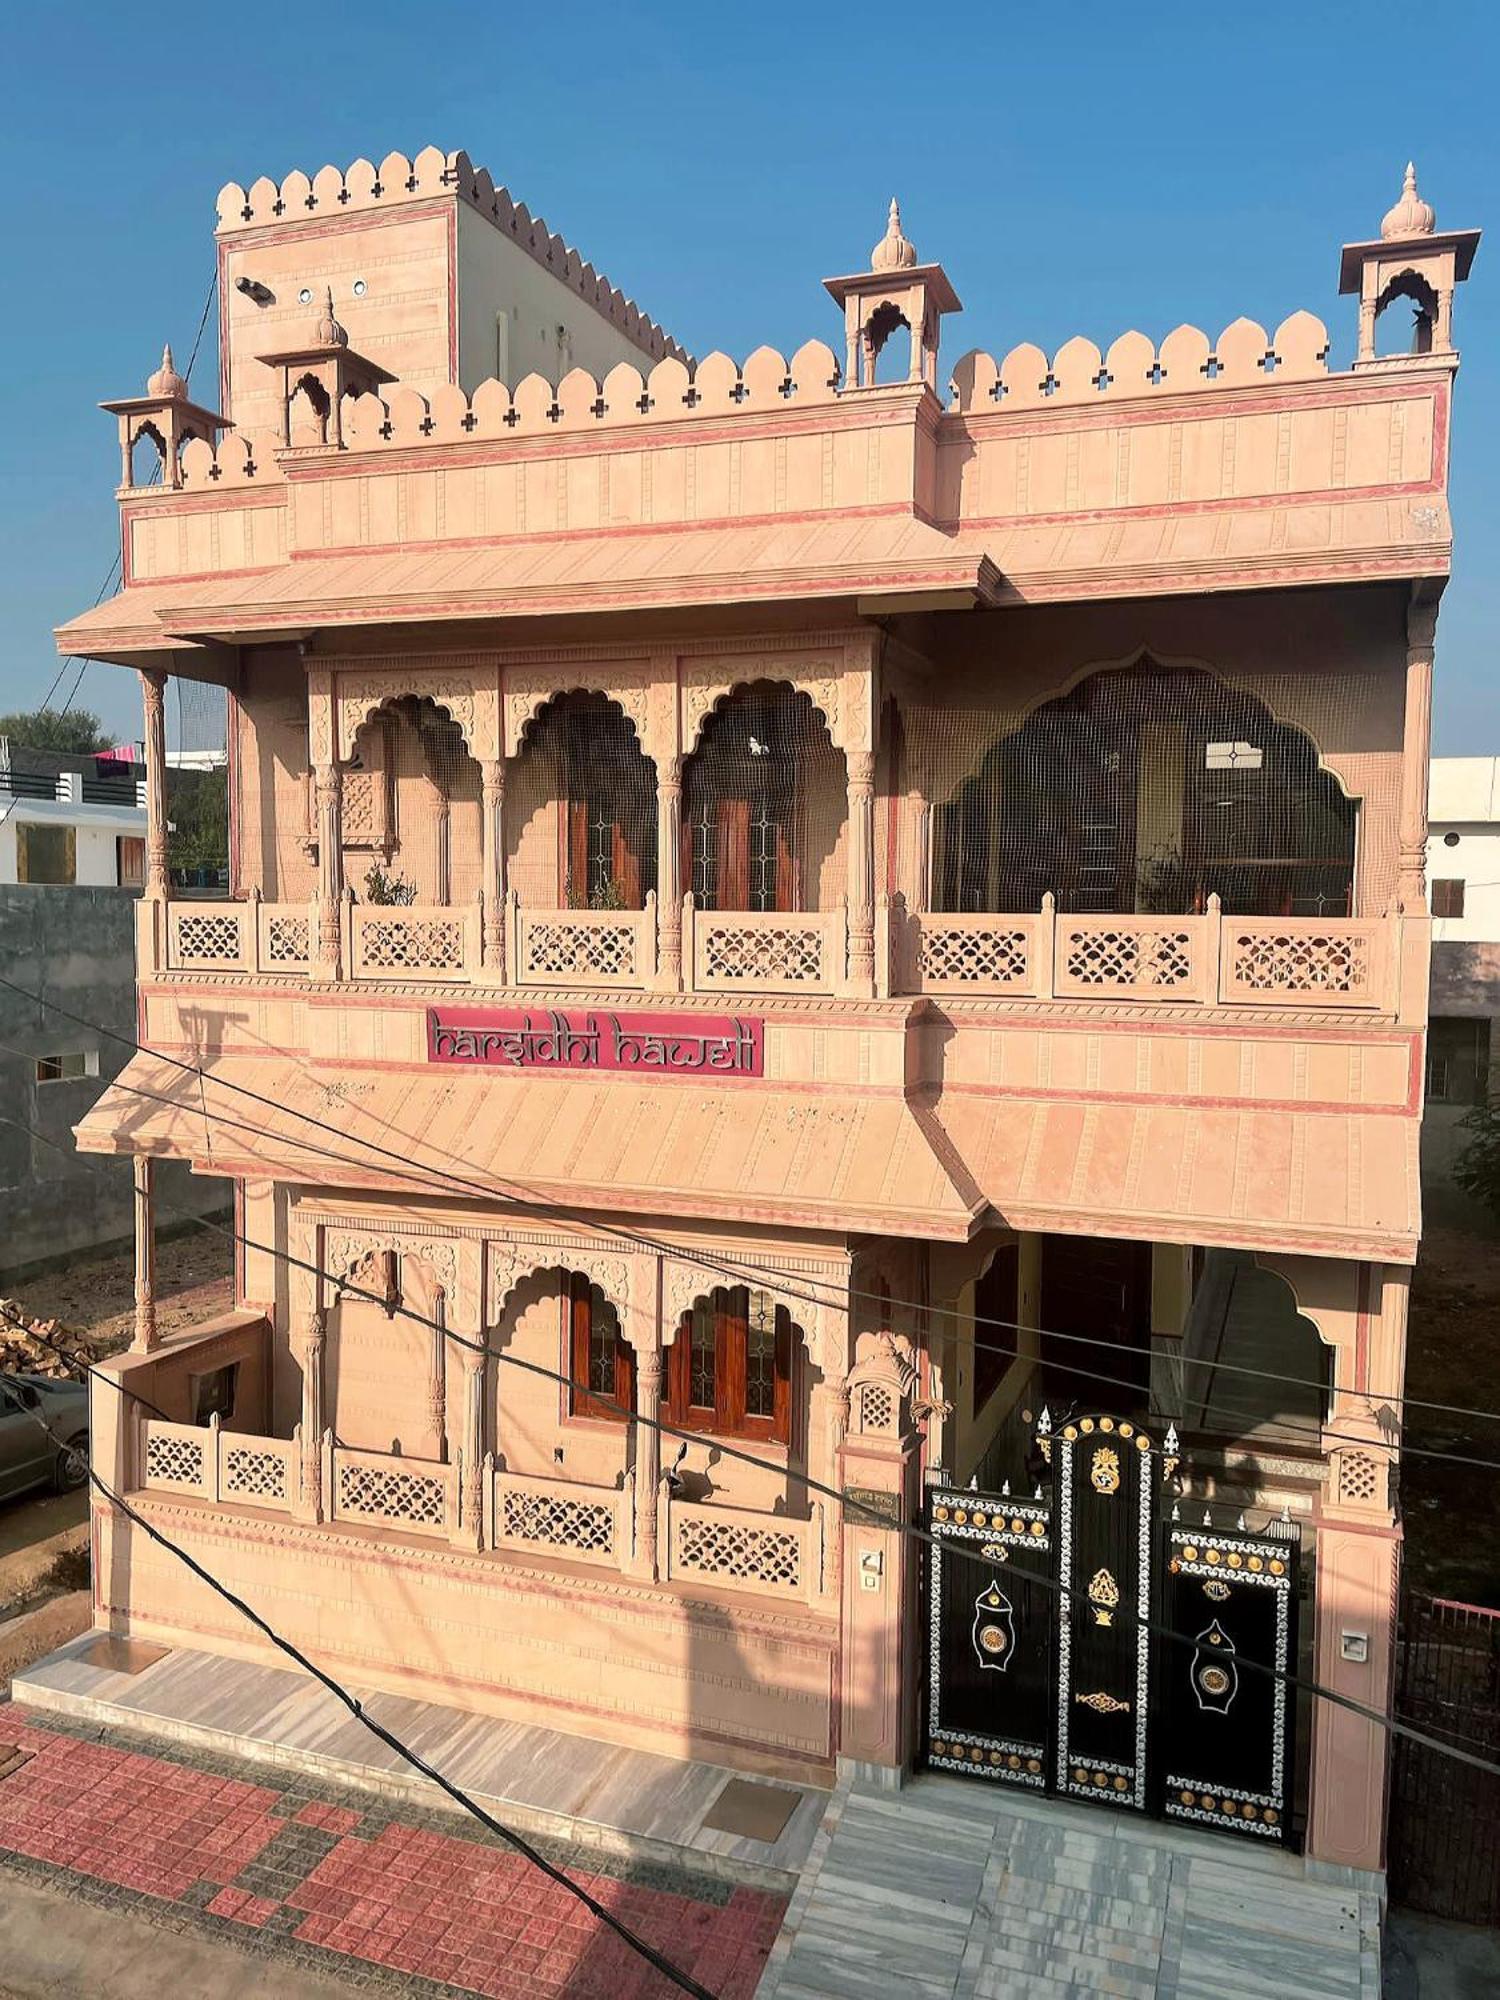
{"x":950,"y":1891}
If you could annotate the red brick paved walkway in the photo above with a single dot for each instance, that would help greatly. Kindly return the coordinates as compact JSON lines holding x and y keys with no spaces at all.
{"x":322,"y":1876}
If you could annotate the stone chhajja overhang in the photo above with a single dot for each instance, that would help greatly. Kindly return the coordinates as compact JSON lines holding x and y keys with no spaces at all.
{"x":868,"y":1161}
{"x":935,"y":1165}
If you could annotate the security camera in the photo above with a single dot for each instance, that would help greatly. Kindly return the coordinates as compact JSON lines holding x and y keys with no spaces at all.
{"x":254,"y":289}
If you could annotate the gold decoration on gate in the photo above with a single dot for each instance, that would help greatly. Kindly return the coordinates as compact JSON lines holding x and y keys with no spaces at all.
{"x":1103,"y":1704}
{"x":1104,"y":1470}
{"x":1217,"y":1589}
{"x":1104,"y":1595}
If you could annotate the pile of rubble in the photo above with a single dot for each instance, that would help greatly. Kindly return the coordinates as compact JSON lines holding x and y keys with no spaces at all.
{"x":21,"y":1355}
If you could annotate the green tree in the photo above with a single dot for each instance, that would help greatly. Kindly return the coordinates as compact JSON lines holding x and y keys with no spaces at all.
{"x":78,"y":732}
{"x":1477,"y":1167}
{"x":198,"y":808}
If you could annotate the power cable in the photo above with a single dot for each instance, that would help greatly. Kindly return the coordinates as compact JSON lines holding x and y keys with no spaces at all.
{"x":1323,"y":1435}
{"x":846,"y":1503}
{"x":511,"y":1192}
{"x":350,"y":1701}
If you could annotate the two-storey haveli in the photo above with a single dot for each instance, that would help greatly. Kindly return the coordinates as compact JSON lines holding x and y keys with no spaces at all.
{"x":865,"y":908}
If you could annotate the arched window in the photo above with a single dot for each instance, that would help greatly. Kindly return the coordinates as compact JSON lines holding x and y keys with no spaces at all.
{"x":601,"y":1362}
{"x":1145,"y":790}
{"x":763,"y":804}
{"x":583,"y":778}
{"x":730,"y":1368}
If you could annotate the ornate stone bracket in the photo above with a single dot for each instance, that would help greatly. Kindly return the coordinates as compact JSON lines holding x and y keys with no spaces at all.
{"x":469,"y":689}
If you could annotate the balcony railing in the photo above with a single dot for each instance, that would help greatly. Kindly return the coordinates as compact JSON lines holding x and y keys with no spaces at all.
{"x":583,"y":947}
{"x":734,"y":1549}
{"x":770,"y":951}
{"x":1201,"y":960}
{"x":590,"y":1524}
{"x":414,"y":1496}
{"x":216,"y":1465}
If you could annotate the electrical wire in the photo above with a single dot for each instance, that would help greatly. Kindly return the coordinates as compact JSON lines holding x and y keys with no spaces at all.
{"x":847,"y":1504}
{"x":341,"y":1694}
{"x":1322,"y":1437}
{"x":709,"y":1259}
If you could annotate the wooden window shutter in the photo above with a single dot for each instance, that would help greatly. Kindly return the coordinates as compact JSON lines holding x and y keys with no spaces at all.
{"x":781,"y":1420}
{"x":732,"y":887}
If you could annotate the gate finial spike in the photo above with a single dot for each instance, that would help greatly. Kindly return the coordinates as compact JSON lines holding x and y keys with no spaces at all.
{"x":1169,"y":1443}
{"x":1038,"y":1493}
{"x":1240,"y":1524}
{"x":974,"y":1481}
{"x":1208,"y":1519}
{"x":1044,"y":1421}
{"x":1005,"y":1489}
{"x":1286,"y":1513}
{"x":1176,"y":1511}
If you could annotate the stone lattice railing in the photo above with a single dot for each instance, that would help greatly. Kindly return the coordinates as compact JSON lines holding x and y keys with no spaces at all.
{"x":1203,"y":960}
{"x":239,"y":937}
{"x":767,"y":1554}
{"x":414,"y":1496}
{"x":209,"y":1463}
{"x":560,"y":1517}
{"x":583,"y":947}
{"x":1135,"y":366}
{"x":335,"y":192}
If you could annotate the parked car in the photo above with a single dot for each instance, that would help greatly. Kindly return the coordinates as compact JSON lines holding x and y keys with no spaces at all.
{"x":28,"y":1455}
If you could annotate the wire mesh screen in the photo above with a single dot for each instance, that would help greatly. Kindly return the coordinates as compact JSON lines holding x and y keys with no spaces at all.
{"x":1143,"y":789}
{"x":202,"y":719}
{"x":411,"y":808}
{"x":580,"y":808}
{"x":763,"y":806}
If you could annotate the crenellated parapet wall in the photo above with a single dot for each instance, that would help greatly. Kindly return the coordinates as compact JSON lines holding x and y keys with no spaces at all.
{"x":1187,"y":360}
{"x":398,"y":180}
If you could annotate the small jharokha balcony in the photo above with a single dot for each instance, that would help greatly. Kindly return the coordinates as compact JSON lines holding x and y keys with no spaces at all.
{"x":548,"y":1519}
{"x":1205,"y":959}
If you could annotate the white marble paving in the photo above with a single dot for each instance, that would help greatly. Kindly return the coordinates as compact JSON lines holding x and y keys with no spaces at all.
{"x":954,"y":1892}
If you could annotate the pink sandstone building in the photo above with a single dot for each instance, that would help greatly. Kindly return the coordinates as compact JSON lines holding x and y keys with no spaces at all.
{"x":867,"y":907}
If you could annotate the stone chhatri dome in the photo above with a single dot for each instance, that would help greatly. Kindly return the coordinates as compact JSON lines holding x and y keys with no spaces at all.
{"x":1411,"y":216}
{"x":893,"y":252}
{"x":326,"y":330}
{"x":165,"y":381}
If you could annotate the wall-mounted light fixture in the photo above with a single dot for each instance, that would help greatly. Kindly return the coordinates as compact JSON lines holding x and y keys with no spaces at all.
{"x":254,"y":289}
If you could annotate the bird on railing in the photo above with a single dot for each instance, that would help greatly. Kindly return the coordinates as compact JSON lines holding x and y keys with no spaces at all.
{"x":672,"y":1475}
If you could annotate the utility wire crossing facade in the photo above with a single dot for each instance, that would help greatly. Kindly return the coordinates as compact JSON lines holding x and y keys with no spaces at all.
{"x":797,"y":893}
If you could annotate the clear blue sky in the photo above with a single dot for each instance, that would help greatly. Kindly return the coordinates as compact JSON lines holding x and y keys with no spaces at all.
{"x":1076,"y":172}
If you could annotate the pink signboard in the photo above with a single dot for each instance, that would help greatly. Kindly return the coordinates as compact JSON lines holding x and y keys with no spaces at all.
{"x":545,"y":1038}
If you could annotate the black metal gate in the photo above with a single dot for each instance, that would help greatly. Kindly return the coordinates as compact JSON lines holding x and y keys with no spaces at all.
{"x":1445,"y":1817}
{"x":1044,"y":1670}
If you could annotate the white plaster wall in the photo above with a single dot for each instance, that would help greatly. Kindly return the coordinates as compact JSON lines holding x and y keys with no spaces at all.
{"x":496,"y":276}
{"x":94,"y":846}
{"x":1464,"y":798}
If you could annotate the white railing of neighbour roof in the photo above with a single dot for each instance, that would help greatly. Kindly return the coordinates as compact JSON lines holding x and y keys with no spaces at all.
{"x":240,"y":937}
{"x":560,"y":1517}
{"x":415,"y":1496}
{"x":1202,"y":960}
{"x":764,"y":951}
{"x":414,"y":940}
{"x":583,"y":947}
{"x":218,"y":1465}
{"x":730,"y":1547}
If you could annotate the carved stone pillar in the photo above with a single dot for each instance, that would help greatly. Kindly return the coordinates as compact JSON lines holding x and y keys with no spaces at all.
{"x":437,"y":1379}
{"x":471,"y":1498}
{"x":153,"y":700}
{"x":143,"y":1169}
{"x":492,"y":840}
{"x":669,"y":875}
{"x":312,"y":1345}
{"x":1367,"y":329}
{"x":329,"y":792}
{"x":648,"y":1368}
{"x":861,"y":871}
{"x":1416,"y":749}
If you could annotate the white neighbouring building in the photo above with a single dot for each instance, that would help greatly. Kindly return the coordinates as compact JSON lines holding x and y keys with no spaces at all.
{"x":1463,"y":867}
{"x":63,"y":823}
